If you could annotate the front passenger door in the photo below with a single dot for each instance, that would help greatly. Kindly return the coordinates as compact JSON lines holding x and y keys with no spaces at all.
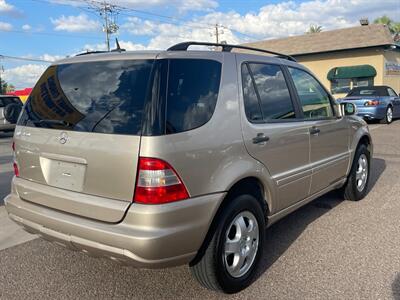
{"x":329,"y":134}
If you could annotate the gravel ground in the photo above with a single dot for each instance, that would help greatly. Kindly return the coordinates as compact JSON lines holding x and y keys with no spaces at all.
{"x":329,"y":249}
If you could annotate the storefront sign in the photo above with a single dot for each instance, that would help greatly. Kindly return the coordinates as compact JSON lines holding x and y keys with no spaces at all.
{"x":392,"y":68}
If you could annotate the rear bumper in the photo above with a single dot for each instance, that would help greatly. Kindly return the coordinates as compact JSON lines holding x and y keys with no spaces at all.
{"x":371,"y":113}
{"x":150,"y":236}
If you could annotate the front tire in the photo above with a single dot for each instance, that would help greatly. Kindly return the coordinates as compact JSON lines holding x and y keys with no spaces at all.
{"x":356,"y":186}
{"x":388,"y":116}
{"x":230,"y":261}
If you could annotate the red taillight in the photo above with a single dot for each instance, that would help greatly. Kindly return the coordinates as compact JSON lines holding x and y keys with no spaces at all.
{"x":15,"y":165}
{"x":16,"y":171}
{"x":157,"y":183}
{"x":371,"y":103}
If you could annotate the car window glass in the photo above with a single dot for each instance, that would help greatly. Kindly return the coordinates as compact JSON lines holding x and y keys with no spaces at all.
{"x":4,"y":101}
{"x":251,"y":104}
{"x":101,"y":96}
{"x":313,"y":98}
{"x":192,"y":93}
{"x":273,"y":92}
{"x":391,"y":93}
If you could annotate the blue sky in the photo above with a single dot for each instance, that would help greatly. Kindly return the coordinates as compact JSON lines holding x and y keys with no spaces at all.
{"x":52,"y":29}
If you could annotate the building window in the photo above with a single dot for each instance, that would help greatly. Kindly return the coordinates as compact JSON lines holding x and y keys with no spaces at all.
{"x":343,"y":79}
{"x":339,"y":86}
{"x":363,"y":81}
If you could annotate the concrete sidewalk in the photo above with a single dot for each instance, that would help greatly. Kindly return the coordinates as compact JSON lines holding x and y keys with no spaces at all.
{"x":11,"y":234}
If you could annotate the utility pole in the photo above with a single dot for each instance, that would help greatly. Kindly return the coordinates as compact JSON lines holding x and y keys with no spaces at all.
{"x":217,"y":32}
{"x":108,"y":12}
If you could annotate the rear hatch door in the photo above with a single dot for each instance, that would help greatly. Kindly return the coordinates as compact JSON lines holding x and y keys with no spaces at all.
{"x":78,"y":138}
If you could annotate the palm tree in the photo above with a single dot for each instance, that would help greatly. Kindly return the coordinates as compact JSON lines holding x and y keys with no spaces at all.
{"x":314,"y":29}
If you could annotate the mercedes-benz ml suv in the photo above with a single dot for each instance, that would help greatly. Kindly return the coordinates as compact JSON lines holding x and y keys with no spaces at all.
{"x":180,"y":157}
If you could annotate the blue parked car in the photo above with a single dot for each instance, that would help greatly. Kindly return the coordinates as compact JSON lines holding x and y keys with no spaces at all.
{"x":375,"y":103}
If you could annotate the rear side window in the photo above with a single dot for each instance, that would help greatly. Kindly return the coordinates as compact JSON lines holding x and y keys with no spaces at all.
{"x":251,"y":103}
{"x":391,"y":92}
{"x":105,"y":96}
{"x":192,"y":92}
{"x":314,"y":99}
{"x":266,"y":93}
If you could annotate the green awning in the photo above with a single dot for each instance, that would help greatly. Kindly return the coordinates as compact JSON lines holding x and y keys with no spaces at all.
{"x":352,"y":72}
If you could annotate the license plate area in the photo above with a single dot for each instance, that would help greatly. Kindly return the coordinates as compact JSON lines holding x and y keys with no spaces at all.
{"x":63,"y":174}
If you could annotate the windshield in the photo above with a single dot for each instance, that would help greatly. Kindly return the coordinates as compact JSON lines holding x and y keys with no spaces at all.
{"x":367,"y":91}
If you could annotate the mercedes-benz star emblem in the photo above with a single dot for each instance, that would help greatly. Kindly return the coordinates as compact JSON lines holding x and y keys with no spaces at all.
{"x":63,"y":138}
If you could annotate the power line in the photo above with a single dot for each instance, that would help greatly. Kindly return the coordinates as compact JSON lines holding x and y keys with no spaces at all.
{"x":118,"y":9}
{"x":23,"y":58}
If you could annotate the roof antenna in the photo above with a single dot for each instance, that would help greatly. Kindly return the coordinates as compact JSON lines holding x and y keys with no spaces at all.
{"x":118,"y":49}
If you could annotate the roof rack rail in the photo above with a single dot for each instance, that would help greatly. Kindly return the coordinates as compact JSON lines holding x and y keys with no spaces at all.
{"x":90,"y":52}
{"x":226,"y":48}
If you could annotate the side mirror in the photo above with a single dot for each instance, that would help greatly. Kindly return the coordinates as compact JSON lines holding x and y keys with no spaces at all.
{"x":348,"y":109}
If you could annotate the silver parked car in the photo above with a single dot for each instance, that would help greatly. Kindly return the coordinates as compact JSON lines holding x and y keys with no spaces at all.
{"x":180,"y":157}
{"x":10,"y":106}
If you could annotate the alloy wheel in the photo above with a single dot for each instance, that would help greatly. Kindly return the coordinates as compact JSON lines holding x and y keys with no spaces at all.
{"x":362,"y":172}
{"x":241,"y":244}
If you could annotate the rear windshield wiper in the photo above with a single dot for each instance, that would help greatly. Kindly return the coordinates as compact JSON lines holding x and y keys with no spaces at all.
{"x":52,"y":122}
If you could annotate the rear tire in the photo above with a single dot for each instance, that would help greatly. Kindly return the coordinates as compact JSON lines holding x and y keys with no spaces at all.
{"x":230,"y":261}
{"x":388,"y":116}
{"x":356,"y":186}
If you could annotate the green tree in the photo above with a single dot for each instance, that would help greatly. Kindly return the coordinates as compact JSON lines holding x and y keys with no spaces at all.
{"x":6,"y":87}
{"x":393,"y":26}
{"x":314,"y":29}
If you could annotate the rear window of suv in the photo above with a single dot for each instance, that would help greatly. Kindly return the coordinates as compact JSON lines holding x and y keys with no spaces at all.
{"x":105,"y":96}
{"x":117,"y":96}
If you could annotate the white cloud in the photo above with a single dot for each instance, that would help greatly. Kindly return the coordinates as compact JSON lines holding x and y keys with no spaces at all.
{"x":24,"y":75}
{"x":291,"y":18}
{"x":75,"y":23}
{"x":137,"y":26}
{"x":129,"y":46}
{"x":26,"y":27}
{"x":271,"y":21}
{"x":196,"y":5}
{"x":51,"y":58}
{"x":5,"y":7}
{"x":5,"y":26}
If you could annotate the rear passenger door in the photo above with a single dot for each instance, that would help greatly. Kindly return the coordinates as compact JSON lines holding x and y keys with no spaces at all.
{"x":272,"y":132}
{"x":329,"y":134}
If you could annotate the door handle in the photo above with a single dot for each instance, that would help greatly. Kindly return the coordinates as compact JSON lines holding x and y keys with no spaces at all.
{"x":314,"y":130}
{"x":260,"y":138}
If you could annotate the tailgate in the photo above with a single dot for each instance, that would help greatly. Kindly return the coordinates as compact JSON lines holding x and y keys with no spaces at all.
{"x":78,"y":137}
{"x":86,"y":165}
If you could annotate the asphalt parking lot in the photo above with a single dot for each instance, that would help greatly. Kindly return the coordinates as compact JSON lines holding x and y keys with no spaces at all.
{"x":329,"y":249}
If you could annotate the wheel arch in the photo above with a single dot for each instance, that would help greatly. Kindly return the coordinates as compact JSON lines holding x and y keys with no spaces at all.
{"x":249,"y":185}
